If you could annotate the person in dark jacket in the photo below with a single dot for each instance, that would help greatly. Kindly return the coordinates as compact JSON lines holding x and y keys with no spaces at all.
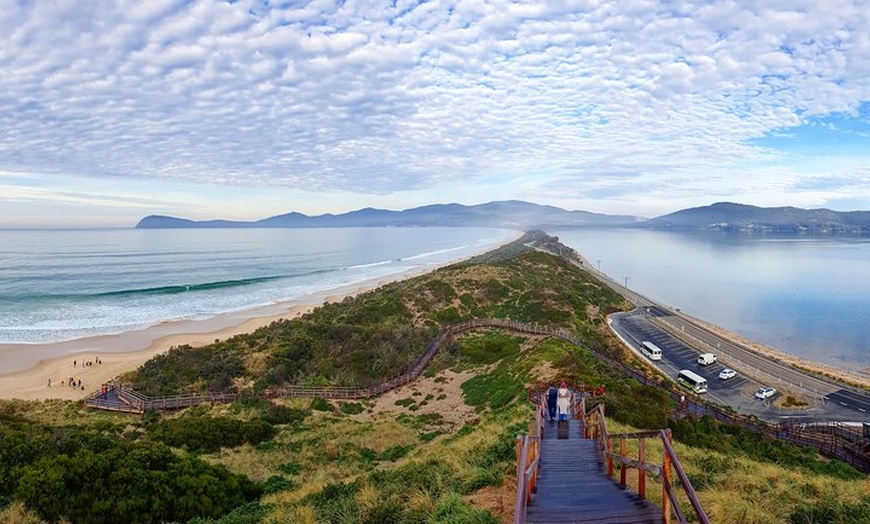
{"x":552,"y":395}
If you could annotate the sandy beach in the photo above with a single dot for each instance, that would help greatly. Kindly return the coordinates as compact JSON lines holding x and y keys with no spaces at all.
{"x":27,"y":369}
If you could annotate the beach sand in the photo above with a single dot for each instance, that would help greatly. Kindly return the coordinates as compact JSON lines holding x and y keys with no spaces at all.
{"x":28,"y":368}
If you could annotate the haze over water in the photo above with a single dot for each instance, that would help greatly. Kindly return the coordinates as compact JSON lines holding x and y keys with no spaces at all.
{"x":805,"y":296}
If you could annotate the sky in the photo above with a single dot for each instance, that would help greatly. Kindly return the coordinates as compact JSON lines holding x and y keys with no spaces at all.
{"x":111,"y":111}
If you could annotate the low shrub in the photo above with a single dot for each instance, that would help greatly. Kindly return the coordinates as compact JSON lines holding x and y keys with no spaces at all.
{"x":210,"y":434}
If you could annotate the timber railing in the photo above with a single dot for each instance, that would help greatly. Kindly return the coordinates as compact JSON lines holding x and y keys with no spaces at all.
{"x":528,"y":461}
{"x":596,"y":428}
{"x":840,"y":442}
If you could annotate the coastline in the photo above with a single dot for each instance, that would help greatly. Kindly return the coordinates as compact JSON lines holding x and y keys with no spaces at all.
{"x":127,"y":351}
{"x":27,"y":368}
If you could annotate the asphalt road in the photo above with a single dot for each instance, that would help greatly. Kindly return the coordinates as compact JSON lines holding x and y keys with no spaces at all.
{"x":825,"y":400}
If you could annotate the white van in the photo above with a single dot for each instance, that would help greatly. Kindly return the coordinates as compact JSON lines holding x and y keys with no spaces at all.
{"x":706,"y":358}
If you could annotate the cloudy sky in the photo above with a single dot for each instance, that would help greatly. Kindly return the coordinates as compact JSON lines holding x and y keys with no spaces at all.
{"x":110,"y":111}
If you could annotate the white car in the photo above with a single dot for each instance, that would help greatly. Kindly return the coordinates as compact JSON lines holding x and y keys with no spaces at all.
{"x":727,"y":373}
{"x":765,"y":392}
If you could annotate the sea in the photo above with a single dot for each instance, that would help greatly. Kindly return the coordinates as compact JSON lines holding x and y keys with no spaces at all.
{"x":60,"y":285}
{"x":807,"y":296}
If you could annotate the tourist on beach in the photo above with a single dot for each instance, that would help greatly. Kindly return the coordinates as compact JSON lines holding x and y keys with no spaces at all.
{"x":552,"y":395}
{"x":564,"y":401}
{"x":49,"y":382}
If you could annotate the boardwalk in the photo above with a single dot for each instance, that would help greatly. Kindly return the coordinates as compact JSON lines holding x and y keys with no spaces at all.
{"x":573,"y":486}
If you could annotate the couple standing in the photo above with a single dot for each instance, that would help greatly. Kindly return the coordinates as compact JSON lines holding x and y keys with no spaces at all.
{"x":559,"y":400}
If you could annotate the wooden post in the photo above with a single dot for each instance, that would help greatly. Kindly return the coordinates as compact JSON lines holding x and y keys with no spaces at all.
{"x":609,"y":448}
{"x":641,"y":473}
{"x":534,"y":478}
{"x":622,"y":468}
{"x":666,"y":483}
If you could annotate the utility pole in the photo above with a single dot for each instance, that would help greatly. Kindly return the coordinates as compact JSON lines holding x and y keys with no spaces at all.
{"x":626,"y":282}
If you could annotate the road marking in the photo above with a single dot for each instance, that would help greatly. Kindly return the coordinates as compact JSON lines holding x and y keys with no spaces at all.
{"x":862,"y":410}
{"x":844,"y":404}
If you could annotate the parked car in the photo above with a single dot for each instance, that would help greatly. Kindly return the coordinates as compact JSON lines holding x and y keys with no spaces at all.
{"x":727,"y":373}
{"x":706,"y":358}
{"x":765,"y":392}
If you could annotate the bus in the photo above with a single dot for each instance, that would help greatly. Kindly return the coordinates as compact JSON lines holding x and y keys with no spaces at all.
{"x":650,"y":350}
{"x":693,"y":381}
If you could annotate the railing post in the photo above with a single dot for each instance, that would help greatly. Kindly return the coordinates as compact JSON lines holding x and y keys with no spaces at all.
{"x":622,"y":468}
{"x":609,"y":449}
{"x":666,"y":483}
{"x":641,"y":472}
{"x":533,"y":480}
{"x":520,"y":502}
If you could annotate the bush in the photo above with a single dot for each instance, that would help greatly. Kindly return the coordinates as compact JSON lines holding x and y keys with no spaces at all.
{"x":277,"y":414}
{"x":351,"y":408}
{"x":147,"y":484}
{"x":211,"y":433}
{"x":321,"y":404}
{"x":452,"y":510}
{"x":277,"y":483}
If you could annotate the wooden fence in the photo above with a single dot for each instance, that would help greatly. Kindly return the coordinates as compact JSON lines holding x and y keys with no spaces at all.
{"x":830,"y":439}
{"x":597,"y":428}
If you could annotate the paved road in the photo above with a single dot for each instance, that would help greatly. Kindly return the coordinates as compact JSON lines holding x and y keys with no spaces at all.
{"x":739,"y":392}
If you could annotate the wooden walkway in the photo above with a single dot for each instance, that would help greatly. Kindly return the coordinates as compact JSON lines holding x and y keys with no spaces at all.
{"x":573,"y":486}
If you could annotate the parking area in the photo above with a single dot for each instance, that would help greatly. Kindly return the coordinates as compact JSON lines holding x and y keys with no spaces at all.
{"x":737,"y":392}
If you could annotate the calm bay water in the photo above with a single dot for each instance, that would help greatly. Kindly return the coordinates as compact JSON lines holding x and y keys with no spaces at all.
{"x":806,"y":296}
{"x":63,"y":285}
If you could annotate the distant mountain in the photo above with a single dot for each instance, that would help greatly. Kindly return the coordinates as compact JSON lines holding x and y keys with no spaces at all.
{"x":729,"y":216}
{"x":509,"y":214}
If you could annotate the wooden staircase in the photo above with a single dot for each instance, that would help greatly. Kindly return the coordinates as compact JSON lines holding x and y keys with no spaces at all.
{"x":573,"y":486}
{"x":571,"y":479}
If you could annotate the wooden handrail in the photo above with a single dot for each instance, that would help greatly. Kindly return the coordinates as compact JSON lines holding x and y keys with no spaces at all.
{"x":837,"y":442}
{"x":528,"y":461}
{"x":597,"y":428}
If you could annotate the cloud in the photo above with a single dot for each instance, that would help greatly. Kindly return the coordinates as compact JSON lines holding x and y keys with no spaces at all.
{"x":585,"y":101}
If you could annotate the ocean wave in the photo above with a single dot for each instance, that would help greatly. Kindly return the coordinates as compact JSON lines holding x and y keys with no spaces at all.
{"x":174,"y":290}
{"x":371,"y":264}
{"x":433,"y":253}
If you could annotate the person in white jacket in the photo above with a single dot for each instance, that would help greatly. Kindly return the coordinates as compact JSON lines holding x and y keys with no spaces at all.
{"x":564,"y":401}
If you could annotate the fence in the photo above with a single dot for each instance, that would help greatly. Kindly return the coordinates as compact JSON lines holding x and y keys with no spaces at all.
{"x":836,"y":441}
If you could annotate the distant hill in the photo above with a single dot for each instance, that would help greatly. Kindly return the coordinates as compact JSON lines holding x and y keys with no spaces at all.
{"x":722,"y":216}
{"x":509,"y":214}
{"x":727,"y":216}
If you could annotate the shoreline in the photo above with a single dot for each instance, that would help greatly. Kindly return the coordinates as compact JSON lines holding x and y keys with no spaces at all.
{"x":27,"y":368}
{"x":124,"y":352}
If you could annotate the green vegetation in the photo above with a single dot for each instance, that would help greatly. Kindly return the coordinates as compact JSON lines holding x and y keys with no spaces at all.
{"x":376,"y":335}
{"x":441,"y":450}
{"x":88,"y":475}
{"x":211,"y":433}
